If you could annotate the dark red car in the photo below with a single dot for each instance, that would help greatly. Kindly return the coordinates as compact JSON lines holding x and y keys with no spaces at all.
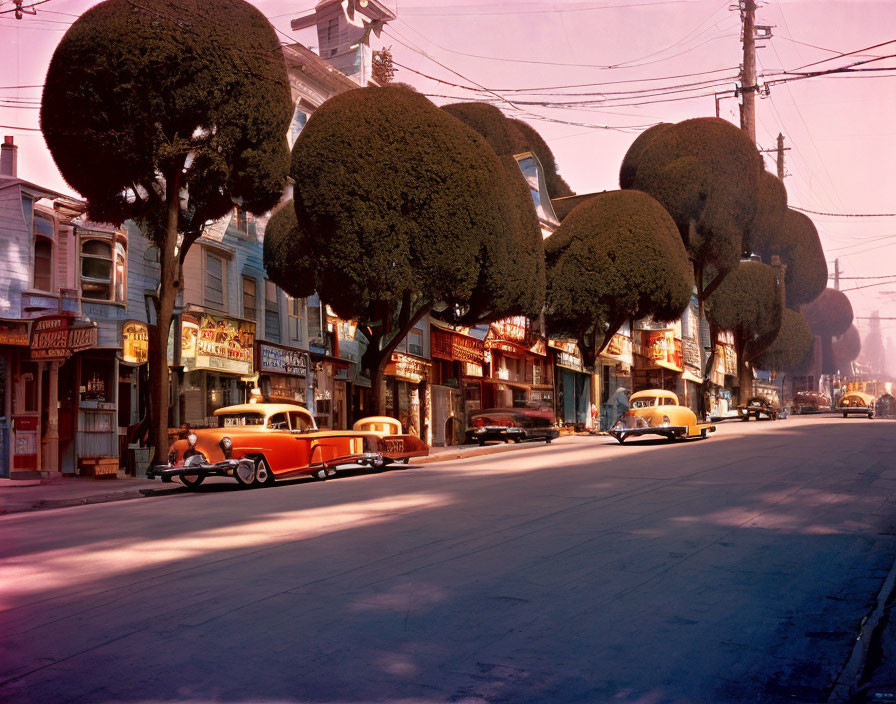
{"x":516,"y":424}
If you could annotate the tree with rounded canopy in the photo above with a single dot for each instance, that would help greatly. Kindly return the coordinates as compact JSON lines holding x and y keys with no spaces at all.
{"x":169,"y":112}
{"x":792,"y":346}
{"x":616,"y":256}
{"x":748,"y":304}
{"x":796,"y":242}
{"x":404,"y":208}
{"x":829,"y":316}
{"x":706,"y":173}
{"x":771,"y":210}
{"x":510,"y":136}
{"x":847,"y":348}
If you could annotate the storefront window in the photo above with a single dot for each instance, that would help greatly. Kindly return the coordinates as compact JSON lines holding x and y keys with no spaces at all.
{"x":219,"y":390}
{"x":519,"y":398}
{"x":28,"y":370}
{"x":96,"y":380}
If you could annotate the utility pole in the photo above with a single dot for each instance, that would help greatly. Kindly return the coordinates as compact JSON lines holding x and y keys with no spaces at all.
{"x":837,"y":274}
{"x":748,"y":77}
{"x":780,"y":156}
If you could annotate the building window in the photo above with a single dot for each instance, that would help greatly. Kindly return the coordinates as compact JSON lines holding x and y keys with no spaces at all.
{"x":245,"y":223}
{"x":103,"y":270}
{"x":415,"y":342}
{"x":249,"y":298}
{"x":295,"y":311}
{"x":271,"y":312}
{"x":214,"y":281}
{"x":44,"y":235}
{"x":332,"y":30}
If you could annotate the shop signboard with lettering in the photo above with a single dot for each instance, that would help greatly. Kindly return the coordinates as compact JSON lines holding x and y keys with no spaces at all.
{"x":217,"y":343}
{"x":13,"y":333}
{"x":665,"y":349}
{"x":58,"y":337}
{"x":282,"y":360}
{"x":134,"y":342}
{"x":408,"y":368}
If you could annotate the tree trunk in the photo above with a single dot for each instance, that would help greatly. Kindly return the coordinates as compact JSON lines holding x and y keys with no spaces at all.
{"x":168,"y":284}
{"x":744,"y":375}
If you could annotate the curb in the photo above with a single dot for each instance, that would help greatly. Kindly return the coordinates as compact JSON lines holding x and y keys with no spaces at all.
{"x":850,"y":676}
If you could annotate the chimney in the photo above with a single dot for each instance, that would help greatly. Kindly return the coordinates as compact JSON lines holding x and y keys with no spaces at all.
{"x":8,"y":154}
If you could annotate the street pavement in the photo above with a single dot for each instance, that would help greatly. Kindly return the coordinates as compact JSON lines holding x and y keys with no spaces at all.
{"x":736,"y":569}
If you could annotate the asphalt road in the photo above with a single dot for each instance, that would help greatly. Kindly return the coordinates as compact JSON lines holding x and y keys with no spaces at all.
{"x":736,"y":569}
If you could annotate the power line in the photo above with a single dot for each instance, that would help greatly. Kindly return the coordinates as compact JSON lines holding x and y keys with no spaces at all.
{"x":467,"y":13}
{"x":24,"y":7}
{"x":845,"y":215}
{"x":848,"y":53}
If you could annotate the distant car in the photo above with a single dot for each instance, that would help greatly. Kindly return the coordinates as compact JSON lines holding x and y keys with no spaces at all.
{"x":512,"y":424}
{"x":258,"y":443}
{"x":757,"y":407}
{"x":658,"y":412}
{"x":856,"y":403}
{"x":810,"y":402}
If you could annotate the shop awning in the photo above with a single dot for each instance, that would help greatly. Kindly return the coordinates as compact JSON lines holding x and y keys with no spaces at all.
{"x":688,"y":375}
{"x":667,"y":365}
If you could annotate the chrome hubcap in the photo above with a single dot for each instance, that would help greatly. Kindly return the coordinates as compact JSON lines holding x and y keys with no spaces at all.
{"x":245,"y":472}
{"x":261,"y":471}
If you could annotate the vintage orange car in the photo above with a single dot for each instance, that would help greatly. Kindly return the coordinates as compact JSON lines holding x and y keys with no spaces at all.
{"x":259,"y":443}
{"x":657,"y":412}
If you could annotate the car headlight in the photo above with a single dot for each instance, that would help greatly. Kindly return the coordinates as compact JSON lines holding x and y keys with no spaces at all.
{"x":191,"y":438}
{"x":618,"y":425}
{"x":666,"y":422}
{"x":172,"y":457}
{"x":227,"y":446}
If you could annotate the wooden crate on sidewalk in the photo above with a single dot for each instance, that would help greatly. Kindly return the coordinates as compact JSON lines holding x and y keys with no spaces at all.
{"x":99,"y":467}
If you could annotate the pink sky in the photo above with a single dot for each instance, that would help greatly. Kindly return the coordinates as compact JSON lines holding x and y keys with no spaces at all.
{"x":840,"y":129}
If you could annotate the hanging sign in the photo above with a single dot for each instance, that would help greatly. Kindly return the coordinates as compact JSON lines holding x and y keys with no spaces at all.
{"x":12,"y":333}
{"x":282,"y":360}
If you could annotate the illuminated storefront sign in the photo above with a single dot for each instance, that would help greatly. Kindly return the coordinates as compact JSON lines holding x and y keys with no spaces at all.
{"x":135,"y":342}
{"x":217,"y":343}
{"x":665,"y":349}
{"x":57,"y":337}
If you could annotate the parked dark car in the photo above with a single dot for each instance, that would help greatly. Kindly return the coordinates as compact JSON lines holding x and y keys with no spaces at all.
{"x":758,"y":407}
{"x":810,"y":402}
{"x":512,"y":424}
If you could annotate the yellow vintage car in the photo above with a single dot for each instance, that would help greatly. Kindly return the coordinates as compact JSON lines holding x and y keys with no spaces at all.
{"x":856,"y":403}
{"x":658,"y":412}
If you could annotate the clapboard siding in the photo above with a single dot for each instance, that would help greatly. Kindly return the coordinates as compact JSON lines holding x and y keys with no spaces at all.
{"x":16,"y":251}
{"x":143,"y":274}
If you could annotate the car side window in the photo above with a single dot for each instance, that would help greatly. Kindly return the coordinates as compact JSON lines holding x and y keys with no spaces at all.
{"x":278,"y":422}
{"x":299,"y":421}
{"x":669,"y":402}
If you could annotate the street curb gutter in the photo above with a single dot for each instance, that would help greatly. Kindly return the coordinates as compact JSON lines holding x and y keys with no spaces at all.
{"x":848,"y":679}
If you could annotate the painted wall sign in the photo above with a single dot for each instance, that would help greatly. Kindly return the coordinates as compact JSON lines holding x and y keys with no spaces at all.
{"x":407,"y":368}
{"x":281,"y":360}
{"x":58,"y":337}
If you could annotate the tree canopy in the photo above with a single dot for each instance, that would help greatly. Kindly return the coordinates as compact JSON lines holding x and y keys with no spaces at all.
{"x":405,"y":208}
{"x":792,"y":346}
{"x":796,"y":242}
{"x":632,"y":157}
{"x":510,"y":136}
{"x":749,"y":304}
{"x":771,"y":210}
{"x":706,"y":173}
{"x":830,"y":314}
{"x":847,"y":348}
{"x":616,"y":256}
{"x":189,"y":90}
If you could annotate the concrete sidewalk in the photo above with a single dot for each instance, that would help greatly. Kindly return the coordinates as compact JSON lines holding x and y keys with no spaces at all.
{"x":60,"y":492}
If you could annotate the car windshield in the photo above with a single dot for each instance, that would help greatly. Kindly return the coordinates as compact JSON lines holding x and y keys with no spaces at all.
{"x":645,"y":402}
{"x":230,"y":419}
